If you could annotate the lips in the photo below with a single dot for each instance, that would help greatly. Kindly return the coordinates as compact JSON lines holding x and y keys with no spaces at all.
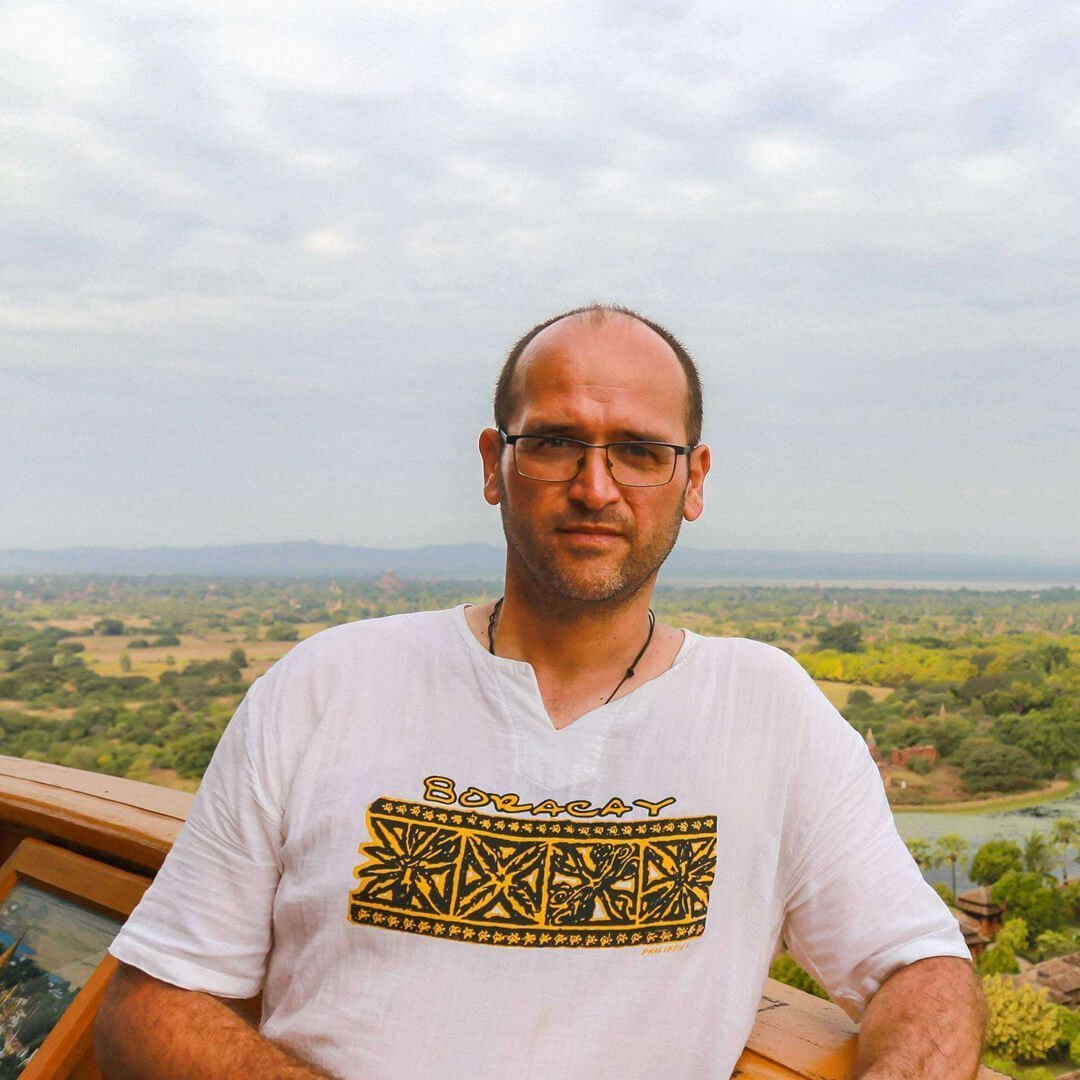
{"x":590,"y":530}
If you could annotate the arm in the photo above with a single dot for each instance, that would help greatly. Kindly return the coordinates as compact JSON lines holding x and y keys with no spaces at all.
{"x":926,"y":1022}
{"x":150,"y":1030}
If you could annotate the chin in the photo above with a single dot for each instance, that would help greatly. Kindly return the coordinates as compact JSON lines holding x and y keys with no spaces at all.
{"x":599,"y":587}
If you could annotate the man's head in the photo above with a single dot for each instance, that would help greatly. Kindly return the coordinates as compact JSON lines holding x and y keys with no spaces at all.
{"x":504,"y":391}
{"x":596,"y":375}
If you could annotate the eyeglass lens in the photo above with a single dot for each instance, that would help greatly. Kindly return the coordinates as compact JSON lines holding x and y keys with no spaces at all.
{"x":634,"y":464}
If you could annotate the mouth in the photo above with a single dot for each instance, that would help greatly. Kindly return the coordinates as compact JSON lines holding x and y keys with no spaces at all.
{"x":590,"y":530}
{"x":590,"y":536}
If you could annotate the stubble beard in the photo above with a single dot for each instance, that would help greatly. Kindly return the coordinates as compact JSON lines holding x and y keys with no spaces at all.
{"x":585,"y":579}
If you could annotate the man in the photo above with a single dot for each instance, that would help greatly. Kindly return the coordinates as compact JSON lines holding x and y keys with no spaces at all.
{"x":546,"y":836}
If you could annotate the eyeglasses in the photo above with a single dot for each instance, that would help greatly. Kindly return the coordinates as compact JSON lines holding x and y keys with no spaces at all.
{"x":555,"y":460}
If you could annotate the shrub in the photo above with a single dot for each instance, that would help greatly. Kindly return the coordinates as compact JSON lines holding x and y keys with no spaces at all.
{"x":1014,"y":933}
{"x":1052,"y":943}
{"x":1023,"y":1024}
{"x":998,"y":960}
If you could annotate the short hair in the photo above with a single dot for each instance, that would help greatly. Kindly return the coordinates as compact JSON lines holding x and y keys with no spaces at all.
{"x":504,"y":397}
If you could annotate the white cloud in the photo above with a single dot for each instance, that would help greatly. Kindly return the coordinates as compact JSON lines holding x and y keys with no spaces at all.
{"x":328,"y":242}
{"x":54,"y":49}
{"x":857,"y":215}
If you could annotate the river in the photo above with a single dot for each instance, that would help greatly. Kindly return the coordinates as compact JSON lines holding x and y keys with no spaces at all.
{"x":977,"y":828}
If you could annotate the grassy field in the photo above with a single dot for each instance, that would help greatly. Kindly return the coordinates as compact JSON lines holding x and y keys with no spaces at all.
{"x":1054,"y":790}
{"x":837,"y":692}
{"x":103,"y":654}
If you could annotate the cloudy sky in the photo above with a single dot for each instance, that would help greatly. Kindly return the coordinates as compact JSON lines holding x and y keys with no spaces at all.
{"x":258,"y":267}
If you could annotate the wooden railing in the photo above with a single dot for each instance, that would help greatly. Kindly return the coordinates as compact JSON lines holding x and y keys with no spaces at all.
{"x":131,"y":826}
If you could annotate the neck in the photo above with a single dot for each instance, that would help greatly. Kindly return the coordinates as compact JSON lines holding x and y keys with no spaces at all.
{"x":570,"y":637}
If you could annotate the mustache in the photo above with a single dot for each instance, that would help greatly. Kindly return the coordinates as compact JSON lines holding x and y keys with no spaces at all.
{"x":594,"y":521}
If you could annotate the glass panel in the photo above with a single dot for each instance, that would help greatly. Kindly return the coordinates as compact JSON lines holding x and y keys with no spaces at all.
{"x":49,"y":947}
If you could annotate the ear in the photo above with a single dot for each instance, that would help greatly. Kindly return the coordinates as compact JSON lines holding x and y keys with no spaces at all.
{"x":700,"y":461}
{"x":491,"y":446}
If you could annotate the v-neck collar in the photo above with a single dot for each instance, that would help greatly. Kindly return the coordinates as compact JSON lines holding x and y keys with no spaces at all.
{"x":556,"y":756}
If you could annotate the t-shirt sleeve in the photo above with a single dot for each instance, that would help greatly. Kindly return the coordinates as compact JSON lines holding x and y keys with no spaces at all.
{"x":857,"y":906}
{"x":205,"y":922}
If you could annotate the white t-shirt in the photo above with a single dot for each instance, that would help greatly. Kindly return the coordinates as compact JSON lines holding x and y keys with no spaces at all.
{"x":425,"y":878}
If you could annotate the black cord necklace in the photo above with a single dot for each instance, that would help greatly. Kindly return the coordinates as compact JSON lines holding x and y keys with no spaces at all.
{"x":493,"y":619}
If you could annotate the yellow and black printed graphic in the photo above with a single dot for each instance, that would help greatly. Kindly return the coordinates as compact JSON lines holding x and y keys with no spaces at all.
{"x":503,"y":881}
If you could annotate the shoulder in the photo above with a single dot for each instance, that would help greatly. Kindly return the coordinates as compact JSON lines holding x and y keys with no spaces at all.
{"x":356,"y":640}
{"x":339,"y":669}
{"x":390,"y":631}
{"x":767,"y":687}
{"x":355,"y":649}
{"x":752,"y":662}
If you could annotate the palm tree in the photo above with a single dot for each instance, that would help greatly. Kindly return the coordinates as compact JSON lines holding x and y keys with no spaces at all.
{"x":1038,"y":854}
{"x":922,"y":852}
{"x":1064,"y":834}
{"x":951,"y":848}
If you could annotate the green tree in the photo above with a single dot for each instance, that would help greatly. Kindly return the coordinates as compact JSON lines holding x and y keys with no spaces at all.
{"x":993,"y":859}
{"x":992,"y":766}
{"x":845,"y":637}
{"x":1070,"y":894}
{"x":193,"y":753}
{"x":922,"y":851}
{"x":125,"y":661}
{"x":1064,"y":836}
{"x":238,"y":658}
{"x":1069,"y":1022}
{"x":1038,"y":854}
{"x":944,"y":892}
{"x":1027,"y":895}
{"x":951,"y":848}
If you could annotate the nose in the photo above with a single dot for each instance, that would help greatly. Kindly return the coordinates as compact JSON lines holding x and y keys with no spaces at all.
{"x":594,"y":486}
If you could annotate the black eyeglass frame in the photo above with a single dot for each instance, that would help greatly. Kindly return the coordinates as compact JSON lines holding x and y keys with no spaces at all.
{"x":681,"y":450}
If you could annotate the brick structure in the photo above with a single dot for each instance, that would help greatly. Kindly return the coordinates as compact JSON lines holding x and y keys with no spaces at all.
{"x":903,"y":757}
{"x":879,"y":758}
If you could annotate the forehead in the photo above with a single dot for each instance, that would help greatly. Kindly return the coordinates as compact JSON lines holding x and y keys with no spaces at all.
{"x":615,"y":373}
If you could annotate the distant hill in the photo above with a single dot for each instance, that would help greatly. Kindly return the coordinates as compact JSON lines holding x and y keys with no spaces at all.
{"x":483,"y":561}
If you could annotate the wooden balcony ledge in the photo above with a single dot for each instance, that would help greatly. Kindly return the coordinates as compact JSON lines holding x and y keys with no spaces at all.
{"x":132,"y":825}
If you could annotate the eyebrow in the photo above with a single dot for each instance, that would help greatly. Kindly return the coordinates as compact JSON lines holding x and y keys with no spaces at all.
{"x":570,"y":430}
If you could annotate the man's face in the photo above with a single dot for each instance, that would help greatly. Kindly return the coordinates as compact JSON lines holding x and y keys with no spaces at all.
{"x":590,"y":539}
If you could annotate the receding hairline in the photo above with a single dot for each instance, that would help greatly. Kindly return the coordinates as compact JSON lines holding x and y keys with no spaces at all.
{"x":598,"y":315}
{"x":595,"y":317}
